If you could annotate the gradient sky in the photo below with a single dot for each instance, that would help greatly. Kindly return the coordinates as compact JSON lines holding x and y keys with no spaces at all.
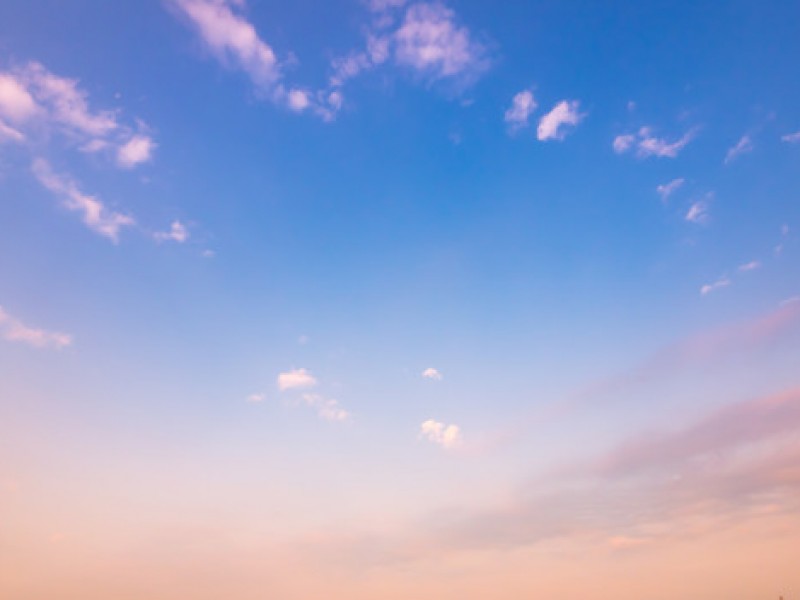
{"x":399,"y":299}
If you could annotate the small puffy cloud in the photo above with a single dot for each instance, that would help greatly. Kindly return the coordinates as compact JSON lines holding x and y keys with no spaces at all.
{"x":430,"y":41}
{"x":256,"y":398}
{"x":750,"y":266}
{"x":232,"y":39}
{"x":623,"y":143}
{"x":667,"y":189}
{"x":327,"y":408}
{"x":177,"y":233}
{"x":647,"y":144}
{"x":791,"y":138}
{"x":522,"y":105}
{"x":698,"y":212}
{"x":555,"y":124}
{"x":137,"y":150}
{"x":95,"y":215}
{"x":13,"y":330}
{"x":431,"y":373}
{"x":447,"y":436}
{"x":298,"y":100}
{"x":743,"y":146}
{"x":296,"y":379}
{"x":711,"y":287}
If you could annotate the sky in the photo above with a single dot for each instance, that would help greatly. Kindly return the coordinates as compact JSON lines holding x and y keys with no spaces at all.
{"x":399,"y":299}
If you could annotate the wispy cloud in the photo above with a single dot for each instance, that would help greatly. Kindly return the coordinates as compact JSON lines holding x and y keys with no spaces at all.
{"x":720,"y":283}
{"x":647,"y":144}
{"x":750,"y":266}
{"x":327,"y":408}
{"x":296,"y":378}
{"x":256,"y":398}
{"x":177,"y":233}
{"x":562,"y":117}
{"x":791,"y":138}
{"x":39,"y":103}
{"x":447,"y":436}
{"x":431,"y":373}
{"x":94,"y":214}
{"x":743,"y":146}
{"x":14,"y":330}
{"x":233,"y":40}
{"x":8,"y":133}
{"x":667,"y":189}
{"x":698,"y":212}
{"x":522,"y":106}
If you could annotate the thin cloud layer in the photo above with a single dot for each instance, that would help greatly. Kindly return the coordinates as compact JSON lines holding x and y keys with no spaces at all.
{"x":14,"y":330}
{"x":720,"y":283}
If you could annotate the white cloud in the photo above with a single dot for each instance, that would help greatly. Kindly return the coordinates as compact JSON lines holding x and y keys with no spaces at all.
{"x":622,"y":143}
{"x":743,"y":146}
{"x":9,"y":133}
{"x":447,"y":436}
{"x":667,"y":189}
{"x":256,"y":398}
{"x":698,"y":212}
{"x":710,"y":287}
{"x":295,"y":379}
{"x":326,"y":408}
{"x":791,"y":138}
{"x":298,"y":100}
{"x":14,"y":330}
{"x":750,"y":266}
{"x":40,"y":103}
{"x":65,"y":103}
{"x":233,"y":39}
{"x":430,"y":41}
{"x":16,"y":103}
{"x":177,"y":233}
{"x":137,"y":150}
{"x":564,"y":115}
{"x":647,"y":144}
{"x":431,"y":373}
{"x":94,"y":213}
{"x":522,"y":105}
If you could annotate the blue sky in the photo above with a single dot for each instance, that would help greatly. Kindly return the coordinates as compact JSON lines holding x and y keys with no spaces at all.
{"x":378,"y":258}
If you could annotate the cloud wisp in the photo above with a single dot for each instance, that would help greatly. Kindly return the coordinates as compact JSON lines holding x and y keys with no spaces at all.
{"x":14,"y":330}
{"x":667,"y":189}
{"x":94,"y":213}
{"x":646,"y":144}
{"x":432,"y":374}
{"x":743,"y":146}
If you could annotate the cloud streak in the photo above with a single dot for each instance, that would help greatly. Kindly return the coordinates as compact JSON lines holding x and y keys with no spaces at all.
{"x":14,"y":330}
